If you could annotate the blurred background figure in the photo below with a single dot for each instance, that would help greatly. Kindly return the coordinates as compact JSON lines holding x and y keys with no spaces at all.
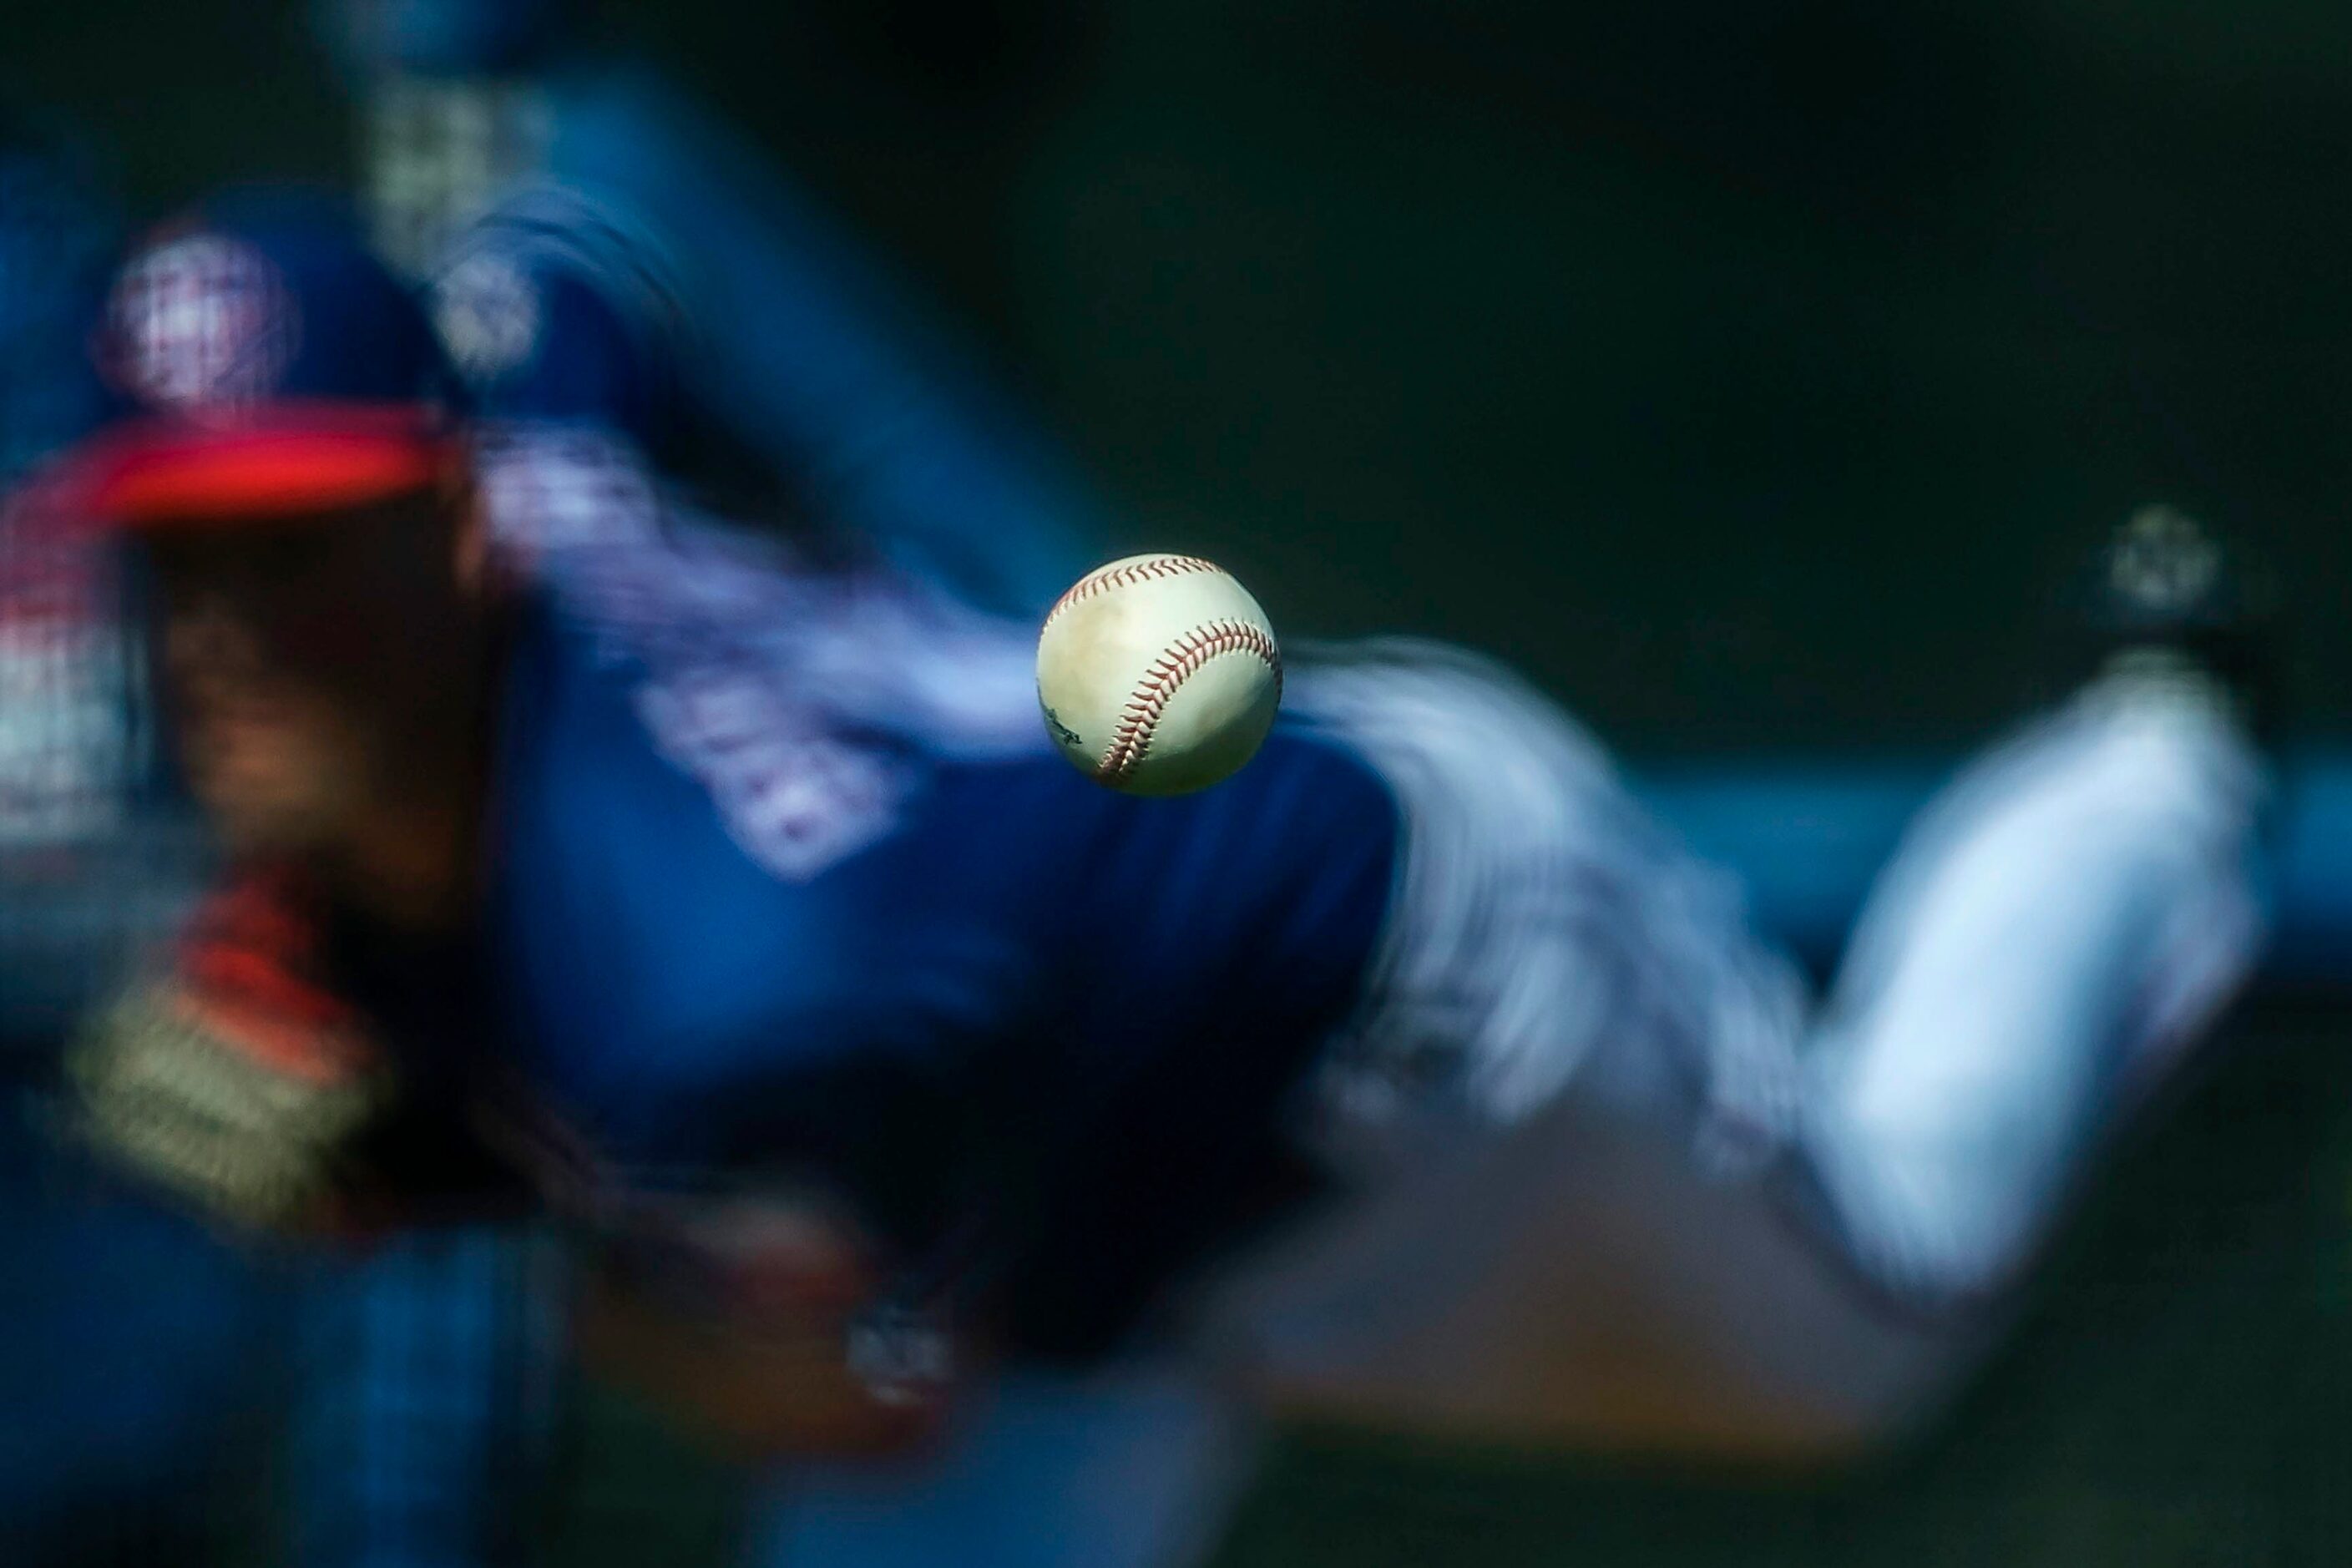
{"x":68,"y":739}
{"x":137,"y":1391}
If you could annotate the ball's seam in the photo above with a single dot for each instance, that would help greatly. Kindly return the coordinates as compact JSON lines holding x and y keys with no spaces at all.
{"x":1177,"y":663}
{"x":1103,"y":579}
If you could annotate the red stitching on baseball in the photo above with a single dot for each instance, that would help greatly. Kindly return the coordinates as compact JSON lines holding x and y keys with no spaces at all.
{"x":1177,"y":665}
{"x":1105,"y":578}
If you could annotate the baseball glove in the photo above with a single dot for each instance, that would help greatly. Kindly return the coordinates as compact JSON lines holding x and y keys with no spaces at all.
{"x":230,"y":1080}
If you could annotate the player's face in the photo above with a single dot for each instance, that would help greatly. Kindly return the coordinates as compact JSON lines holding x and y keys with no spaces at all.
{"x":299,"y":660}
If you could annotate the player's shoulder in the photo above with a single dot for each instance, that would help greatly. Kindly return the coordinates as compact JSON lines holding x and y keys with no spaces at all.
{"x":545,"y":236}
{"x":561,"y":303}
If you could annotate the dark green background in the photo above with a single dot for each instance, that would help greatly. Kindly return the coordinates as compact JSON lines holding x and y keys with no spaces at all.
{"x":1746,"y":370}
{"x":1749,"y":371}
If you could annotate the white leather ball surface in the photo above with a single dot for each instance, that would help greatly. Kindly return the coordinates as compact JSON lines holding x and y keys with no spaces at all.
{"x":1158,"y":674}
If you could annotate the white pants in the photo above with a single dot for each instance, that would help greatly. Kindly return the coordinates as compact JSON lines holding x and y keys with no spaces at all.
{"x":1704,"y":1213}
{"x":1620,"y":1182}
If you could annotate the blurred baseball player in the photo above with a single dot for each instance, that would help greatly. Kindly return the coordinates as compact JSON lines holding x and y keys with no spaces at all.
{"x":739,"y":912}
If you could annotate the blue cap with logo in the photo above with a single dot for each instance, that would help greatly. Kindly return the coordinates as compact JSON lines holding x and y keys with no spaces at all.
{"x":262,"y":363}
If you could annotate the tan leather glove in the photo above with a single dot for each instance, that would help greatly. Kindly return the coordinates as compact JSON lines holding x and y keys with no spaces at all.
{"x":227,"y":1079}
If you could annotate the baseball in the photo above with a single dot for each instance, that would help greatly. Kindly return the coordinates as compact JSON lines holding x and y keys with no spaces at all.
{"x":1158,"y":674}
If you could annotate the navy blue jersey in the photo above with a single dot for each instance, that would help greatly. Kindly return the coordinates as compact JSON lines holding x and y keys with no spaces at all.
{"x":790,"y":880}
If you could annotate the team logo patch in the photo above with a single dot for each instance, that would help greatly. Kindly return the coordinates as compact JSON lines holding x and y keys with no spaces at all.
{"x":795,"y":797}
{"x":555,"y":489}
{"x":488,"y":313}
{"x":201,"y":323}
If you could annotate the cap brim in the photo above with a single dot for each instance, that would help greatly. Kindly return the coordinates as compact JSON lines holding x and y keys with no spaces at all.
{"x":272,"y":463}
